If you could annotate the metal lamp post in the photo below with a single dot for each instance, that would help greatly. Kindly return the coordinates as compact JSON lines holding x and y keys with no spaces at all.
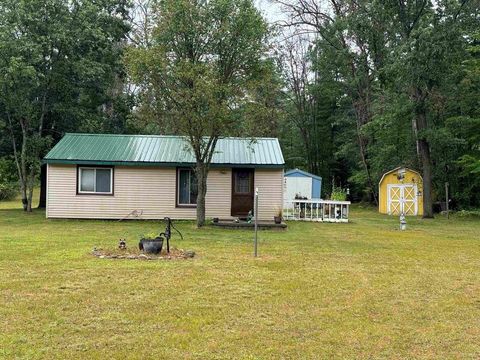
{"x":255,"y":247}
{"x":403,"y":220}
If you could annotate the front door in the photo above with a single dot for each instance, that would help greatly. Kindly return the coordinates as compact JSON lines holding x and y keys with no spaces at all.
{"x":402,"y":199}
{"x":242,"y":191}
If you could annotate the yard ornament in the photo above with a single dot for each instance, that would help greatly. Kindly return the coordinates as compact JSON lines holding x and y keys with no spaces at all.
{"x":403,"y":222}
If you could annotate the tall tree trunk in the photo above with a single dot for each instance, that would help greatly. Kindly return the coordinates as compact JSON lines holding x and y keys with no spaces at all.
{"x":42,"y":204}
{"x":362,"y":117}
{"x":30,"y":185}
{"x":362,"y":142}
{"x":23,"y":168}
{"x":23,"y":193}
{"x":201,"y":172}
{"x":19,"y":161}
{"x":30,"y":196}
{"x":419,"y":124}
{"x":304,"y":132}
{"x":424,"y":153}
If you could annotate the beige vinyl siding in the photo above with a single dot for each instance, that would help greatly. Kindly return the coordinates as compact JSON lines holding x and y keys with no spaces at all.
{"x":270,"y":189}
{"x":219,"y":194}
{"x":152,"y":191}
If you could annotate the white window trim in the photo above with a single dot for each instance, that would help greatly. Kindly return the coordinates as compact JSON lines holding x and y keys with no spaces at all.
{"x":178,"y":188}
{"x":79,"y":174}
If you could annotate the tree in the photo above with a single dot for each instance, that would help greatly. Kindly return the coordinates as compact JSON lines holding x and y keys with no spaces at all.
{"x":355,"y":53}
{"x":428,"y":45}
{"x":310,"y":104}
{"x":59,"y":61}
{"x":202,"y":59}
{"x":463,"y":127}
{"x":399,"y":67}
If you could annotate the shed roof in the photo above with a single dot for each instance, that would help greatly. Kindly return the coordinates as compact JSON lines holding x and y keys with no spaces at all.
{"x":293,"y":171}
{"x":161,"y":150}
{"x":396,"y":169}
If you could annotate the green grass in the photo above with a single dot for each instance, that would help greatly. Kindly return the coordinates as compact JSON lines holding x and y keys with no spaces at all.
{"x":357,"y":290}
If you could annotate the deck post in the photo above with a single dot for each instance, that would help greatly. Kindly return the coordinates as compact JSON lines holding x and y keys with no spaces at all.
{"x":256,"y":223}
{"x":446,"y":199}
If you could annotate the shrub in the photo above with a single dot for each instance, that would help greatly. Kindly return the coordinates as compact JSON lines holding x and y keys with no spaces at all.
{"x":8,"y":179}
{"x":339,"y":194}
{"x":468,"y":213}
{"x":8,"y":191}
{"x":8,"y":171}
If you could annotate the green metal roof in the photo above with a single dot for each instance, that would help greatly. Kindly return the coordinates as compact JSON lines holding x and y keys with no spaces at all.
{"x":156,"y":150}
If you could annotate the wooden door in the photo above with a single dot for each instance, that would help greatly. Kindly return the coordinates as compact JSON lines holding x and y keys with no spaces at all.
{"x":394,"y":199}
{"x":402,"y":199}
{"x":242,"y":191}
{"x":409,"y":199}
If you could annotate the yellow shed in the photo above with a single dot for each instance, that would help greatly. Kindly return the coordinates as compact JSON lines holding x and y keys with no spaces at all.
{"x":401,"y":190}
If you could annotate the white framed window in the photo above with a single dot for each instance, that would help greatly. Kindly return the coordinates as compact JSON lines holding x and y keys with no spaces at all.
{"x":95,"y":180}
{"x":187,"y":188}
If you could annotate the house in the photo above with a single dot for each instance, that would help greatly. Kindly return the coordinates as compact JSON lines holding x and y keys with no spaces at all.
{"x":99,"y":176}
{"x":301,"y":183}
{"x":400,"y":191}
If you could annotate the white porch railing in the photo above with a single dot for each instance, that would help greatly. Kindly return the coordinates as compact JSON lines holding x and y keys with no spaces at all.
{"x":316,"y":210}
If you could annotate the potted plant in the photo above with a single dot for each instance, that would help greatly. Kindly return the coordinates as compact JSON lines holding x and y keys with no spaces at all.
{"x":151,"y":243}
{"x":278,"y":217}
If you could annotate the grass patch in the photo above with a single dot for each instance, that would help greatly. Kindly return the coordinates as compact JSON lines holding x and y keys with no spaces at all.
{"x":357,"y":290}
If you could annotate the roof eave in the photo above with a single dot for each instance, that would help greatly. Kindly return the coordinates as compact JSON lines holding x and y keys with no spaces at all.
{"x":397,"y":168}
{"x":292,"y":171}
{"x":157,"y":164}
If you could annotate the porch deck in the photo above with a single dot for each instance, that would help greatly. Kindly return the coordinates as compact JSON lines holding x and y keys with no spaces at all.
{"x":316,"y":210}
{"x":242,"y":224}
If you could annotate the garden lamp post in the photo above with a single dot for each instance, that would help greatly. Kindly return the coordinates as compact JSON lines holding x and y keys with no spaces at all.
{"x":255,"y":239}
{"x":403,"y":220}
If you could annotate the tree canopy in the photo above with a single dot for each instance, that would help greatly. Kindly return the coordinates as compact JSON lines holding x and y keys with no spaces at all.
{"x":199,"y":71}
{"x":60,"y":63}
{"x":396,"y":73}
{"x":352,"y":88}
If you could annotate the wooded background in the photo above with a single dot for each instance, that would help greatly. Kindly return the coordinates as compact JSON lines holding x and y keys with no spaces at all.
{"x":352,"y":88}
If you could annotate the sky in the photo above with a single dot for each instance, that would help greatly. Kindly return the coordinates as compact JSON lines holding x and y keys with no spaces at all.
{"x":270,"y":11}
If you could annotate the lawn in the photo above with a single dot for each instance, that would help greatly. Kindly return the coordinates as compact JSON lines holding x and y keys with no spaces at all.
{"x":357,"y":290}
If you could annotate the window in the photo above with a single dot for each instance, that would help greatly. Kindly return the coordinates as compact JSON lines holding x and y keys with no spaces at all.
{"x":242,"y":182}
{"x":95,"y":180}
{"x":187,"y":189}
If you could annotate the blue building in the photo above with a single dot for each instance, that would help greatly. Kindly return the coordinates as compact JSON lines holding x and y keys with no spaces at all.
{"x":301,"y":183}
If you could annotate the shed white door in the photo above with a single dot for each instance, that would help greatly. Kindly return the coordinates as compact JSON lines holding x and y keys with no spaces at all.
{"x":297,"y":185}
{"x":402,"y":199}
